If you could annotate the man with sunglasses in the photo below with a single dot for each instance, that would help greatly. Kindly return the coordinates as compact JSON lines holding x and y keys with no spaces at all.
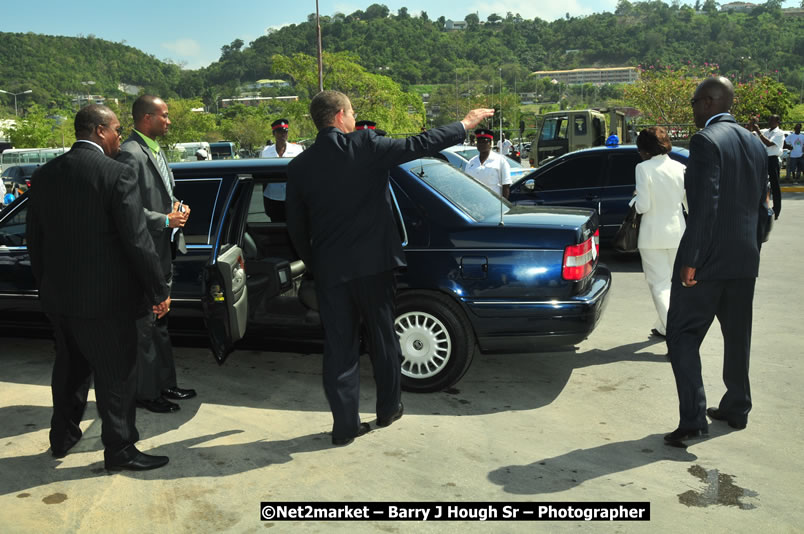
{"x":717,"y":262}
{"x":164,"y":213}
{"x":95,"y":266}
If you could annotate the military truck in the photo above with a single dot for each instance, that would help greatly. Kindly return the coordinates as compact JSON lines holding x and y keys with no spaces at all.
{"x":569,"y":130}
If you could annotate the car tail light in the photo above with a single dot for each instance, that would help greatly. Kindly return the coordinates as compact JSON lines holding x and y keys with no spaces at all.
{"x":27,"y":182}
{"x":580,"y":260}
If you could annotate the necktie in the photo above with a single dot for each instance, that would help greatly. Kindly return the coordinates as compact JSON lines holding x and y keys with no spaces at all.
{"x":163,"y":170}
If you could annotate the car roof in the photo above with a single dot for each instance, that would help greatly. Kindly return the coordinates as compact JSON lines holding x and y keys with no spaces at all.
{"x":232,"y":165}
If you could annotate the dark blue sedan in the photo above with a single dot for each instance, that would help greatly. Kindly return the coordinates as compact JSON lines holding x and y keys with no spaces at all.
{"x":481,"y":271}
{"x":600,"y":178}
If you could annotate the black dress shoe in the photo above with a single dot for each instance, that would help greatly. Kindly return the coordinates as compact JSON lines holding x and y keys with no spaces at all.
{"x":158,"y":405}
{"x":656,"y":333}
{"x":388,"y":420}
{"x":139,"y":461}
{"x":685,"y":434}
{"x":718,"y":415}
{"x":364,"y":429}
{"x":177,"y":393}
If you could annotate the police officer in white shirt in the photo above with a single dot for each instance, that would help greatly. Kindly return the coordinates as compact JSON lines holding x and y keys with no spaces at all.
{"x":489,"y":168}
{"x":773,"y":139}
{"x":274,"y":194}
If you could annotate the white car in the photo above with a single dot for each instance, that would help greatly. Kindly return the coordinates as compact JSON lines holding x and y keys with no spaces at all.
{"x":459,"y":155}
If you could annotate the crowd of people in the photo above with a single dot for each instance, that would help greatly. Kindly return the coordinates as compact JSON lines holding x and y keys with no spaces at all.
{"x":102,"y":258}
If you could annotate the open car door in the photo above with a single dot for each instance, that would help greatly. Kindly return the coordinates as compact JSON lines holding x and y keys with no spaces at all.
{"x":225,"y":293}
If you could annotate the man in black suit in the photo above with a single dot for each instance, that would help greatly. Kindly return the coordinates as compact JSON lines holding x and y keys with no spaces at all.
{"x":93,"y":261}
{"x":340,"y":224}
{"x":165,"y":216}
{"x":717,"y":261}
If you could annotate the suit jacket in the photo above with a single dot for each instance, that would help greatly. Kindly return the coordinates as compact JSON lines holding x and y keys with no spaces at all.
{"x":90,"y":252}
{"x":156,"y":201}
{"x":660,"y":193}
{"x":337,"y":211}
{"x":726,"y":182}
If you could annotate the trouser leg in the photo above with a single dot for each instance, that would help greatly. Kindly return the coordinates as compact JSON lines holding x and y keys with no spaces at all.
{"x":156,"y":369}
{"x":110,"y":346}
{"x":375,"y":297}
{"x":657,"y":264}
{"x":69,"y":387}
{"x":692,"y":310}
{"x":341,"y":374}
{"x":735,"y":314}
{"x":776,"y":190}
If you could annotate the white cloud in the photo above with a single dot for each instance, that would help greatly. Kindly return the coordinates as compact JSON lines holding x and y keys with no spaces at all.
{"x":186,"y":48}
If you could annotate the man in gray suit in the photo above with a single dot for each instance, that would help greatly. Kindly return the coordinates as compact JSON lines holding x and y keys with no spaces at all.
{"x":165,"y":215}
{"x":95,"y":268}
{"x":717,"y":261}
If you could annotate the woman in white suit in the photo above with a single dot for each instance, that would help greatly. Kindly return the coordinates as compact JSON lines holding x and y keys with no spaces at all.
{"x":659,"y":198}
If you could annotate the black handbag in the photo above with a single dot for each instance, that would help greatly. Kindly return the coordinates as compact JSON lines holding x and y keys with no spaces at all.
{"x":627,"y":236}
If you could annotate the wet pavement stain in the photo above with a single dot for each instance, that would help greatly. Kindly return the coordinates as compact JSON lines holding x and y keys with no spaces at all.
{"x":23,"y":495}
{"x":720,"y":490}
{"x":56,"y":498}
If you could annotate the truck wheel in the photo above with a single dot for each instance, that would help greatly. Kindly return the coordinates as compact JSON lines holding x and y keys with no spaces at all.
{"x":436,"y":339}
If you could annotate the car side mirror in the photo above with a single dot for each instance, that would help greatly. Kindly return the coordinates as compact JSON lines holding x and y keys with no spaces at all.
{"x":529,"y":185}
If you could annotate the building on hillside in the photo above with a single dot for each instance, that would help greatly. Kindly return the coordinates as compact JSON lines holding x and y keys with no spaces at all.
{"x":455,"y":25}
{"x":80,"y":101}
{"x":266,"y":84}
{"x":129,"y":89}
{"x":255,"y":101}
{"x":738,"y":7}
{"x":596,"y":76}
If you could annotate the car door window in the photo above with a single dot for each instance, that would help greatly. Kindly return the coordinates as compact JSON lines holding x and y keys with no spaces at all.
{"x":12,"y":229}
{"x":201,"y":194}
{"x":622,"y":169}
{"x":572,"y":173}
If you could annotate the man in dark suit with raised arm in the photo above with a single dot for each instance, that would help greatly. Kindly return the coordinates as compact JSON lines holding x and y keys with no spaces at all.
{"x":93,"y":261}
{"x":340,"y":224}
{"x":717,"y":261}
{"x":165,"y":216}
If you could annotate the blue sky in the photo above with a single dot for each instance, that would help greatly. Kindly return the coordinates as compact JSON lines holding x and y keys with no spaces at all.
{"x":192,"y":33}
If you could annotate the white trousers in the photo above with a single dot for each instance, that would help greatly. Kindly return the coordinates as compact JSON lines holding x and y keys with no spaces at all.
{"x":657,"y":264}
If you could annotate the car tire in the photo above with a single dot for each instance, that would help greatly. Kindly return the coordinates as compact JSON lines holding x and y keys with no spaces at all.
{"x":436,"y":339}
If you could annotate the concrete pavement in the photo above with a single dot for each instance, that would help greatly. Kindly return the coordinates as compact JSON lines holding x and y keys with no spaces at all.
{"x":576,"y":425}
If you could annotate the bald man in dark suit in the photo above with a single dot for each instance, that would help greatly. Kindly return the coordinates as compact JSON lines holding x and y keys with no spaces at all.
{"x":717,"y":261}
{"x":93,"y":261}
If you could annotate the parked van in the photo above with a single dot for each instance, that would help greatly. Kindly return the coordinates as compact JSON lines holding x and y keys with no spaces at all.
{"x":223,"y":150}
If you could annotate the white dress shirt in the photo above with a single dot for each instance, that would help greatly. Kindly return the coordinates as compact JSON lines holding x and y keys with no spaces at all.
{"x":493,"y":173}
{"x":277,"y":191}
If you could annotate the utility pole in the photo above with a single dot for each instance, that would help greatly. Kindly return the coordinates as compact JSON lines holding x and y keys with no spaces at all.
{"x":320,"y":50}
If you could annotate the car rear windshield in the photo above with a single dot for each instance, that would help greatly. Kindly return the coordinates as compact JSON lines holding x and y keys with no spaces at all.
{"x":469,"y":195}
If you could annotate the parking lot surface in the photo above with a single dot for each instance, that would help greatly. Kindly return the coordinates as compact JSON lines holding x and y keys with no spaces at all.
{"x":584,"y":424}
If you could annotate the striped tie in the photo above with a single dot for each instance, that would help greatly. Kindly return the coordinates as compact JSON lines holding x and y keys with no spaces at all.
{"x":163,"y":170}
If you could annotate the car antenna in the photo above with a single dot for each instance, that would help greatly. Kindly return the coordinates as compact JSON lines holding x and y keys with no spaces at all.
{"x":501,"y":223}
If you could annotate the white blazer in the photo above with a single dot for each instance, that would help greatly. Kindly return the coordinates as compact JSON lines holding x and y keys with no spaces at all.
{"x":659,"y":196}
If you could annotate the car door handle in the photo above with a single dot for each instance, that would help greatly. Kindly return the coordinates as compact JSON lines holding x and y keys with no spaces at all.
{"x":592,"y":197}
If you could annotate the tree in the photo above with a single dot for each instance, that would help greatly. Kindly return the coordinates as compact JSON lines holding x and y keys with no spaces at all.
{"x":377,"y":11}
{"x":662,"y":95}
{"x":374,"y":96}
{"x":472,"y":20}
{"x":38,"y":129}
{"x":188,"y":125}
